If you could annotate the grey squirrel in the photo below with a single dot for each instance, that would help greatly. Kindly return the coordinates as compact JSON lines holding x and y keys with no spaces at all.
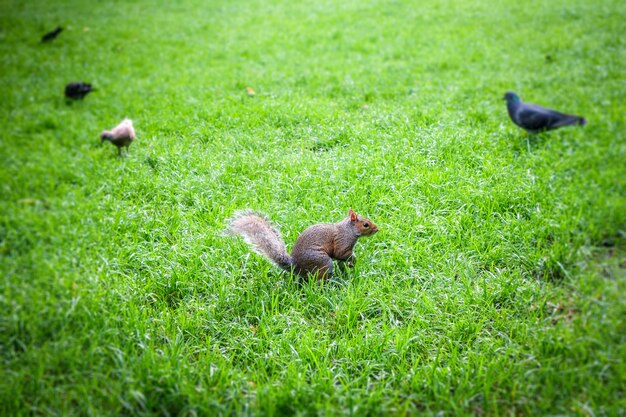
{"x":315,"y":248}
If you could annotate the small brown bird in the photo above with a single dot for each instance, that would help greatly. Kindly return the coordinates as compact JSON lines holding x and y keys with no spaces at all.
{"x":121,"y":135}
{"x":50,"y":36}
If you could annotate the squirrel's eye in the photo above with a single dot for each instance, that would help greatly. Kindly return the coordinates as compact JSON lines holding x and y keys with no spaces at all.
{"x":366,"y":225}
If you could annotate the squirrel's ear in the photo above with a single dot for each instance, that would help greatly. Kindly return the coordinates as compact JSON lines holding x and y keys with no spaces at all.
{"x":352,"y":215}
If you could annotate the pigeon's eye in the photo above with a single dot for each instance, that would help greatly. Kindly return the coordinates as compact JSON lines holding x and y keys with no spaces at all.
{"x":366,"y":225}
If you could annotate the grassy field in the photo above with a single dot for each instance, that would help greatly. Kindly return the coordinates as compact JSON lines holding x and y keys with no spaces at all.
{"x":494,"y":287}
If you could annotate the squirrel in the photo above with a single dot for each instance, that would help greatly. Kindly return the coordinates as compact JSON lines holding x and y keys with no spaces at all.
{"x":315,"y":248}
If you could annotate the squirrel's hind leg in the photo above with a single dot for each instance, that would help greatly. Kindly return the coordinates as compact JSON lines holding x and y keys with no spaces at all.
{"x":325,"y":272}
{"x":321,"y":270}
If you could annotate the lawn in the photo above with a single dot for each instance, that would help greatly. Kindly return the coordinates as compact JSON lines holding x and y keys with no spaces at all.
{"x":495,"y":285}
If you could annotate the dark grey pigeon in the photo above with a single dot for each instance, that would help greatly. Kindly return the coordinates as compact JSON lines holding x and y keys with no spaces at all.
{"x":50,"y":36}
{"x":77,"y":91}
{"x":535,"y":119}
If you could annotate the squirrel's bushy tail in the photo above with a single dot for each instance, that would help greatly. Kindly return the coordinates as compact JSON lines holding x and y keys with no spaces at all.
{"x":257,"y":231}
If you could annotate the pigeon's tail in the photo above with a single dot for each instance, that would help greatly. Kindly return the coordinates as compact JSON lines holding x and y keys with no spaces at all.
{"x":577,"y":120}
{"x":568,"y":120}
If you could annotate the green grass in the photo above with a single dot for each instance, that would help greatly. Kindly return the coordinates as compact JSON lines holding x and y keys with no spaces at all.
{"x":495,"y":285}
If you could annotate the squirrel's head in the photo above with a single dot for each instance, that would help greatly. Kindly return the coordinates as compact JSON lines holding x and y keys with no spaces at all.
{"x":363,"y":225}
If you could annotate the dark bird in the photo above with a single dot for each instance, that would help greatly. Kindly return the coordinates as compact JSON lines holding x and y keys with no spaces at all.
{"x":78,"y":91}
{"x":50,"y":36}
{"x":535,"y":119}
{"x":121,"y":135}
